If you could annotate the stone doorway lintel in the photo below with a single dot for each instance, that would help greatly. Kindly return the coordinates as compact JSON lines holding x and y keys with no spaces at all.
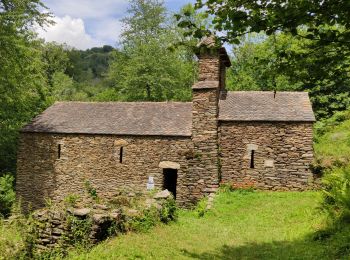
{"x":169,"y":165}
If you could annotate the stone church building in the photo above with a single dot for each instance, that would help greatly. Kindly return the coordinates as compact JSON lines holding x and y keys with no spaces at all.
{"x":242,"y":138}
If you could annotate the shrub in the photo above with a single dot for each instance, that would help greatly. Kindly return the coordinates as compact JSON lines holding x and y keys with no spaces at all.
{"x":17,"y":236}
{"x":91,"y":191}
{"x":169,"y":211}
{"x":7,"y":194}
{"x":71,"y":200}
{"x":336,"y":193}
{"x":201,"y":207}
{"x":79,"y":231}
{"x":147,"y":219}
{"x":327,"y":125}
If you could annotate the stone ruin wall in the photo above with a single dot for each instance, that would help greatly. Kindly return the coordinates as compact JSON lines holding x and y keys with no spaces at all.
{"x":282,"y":157}
{"x":52,"y":226}
{"x":41,"y":174}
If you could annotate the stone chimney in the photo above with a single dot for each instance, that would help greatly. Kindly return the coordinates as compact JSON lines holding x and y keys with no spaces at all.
{"x":213,"y":61}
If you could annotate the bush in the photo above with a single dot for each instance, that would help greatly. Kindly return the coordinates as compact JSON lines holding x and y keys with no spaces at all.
{"x":327,"y":125}
{"x":147,"y":219}
{"x":336,"y":193}
{"x":169,"y":211}
{"x":150,"y":217}
{"x":91,"y":191}
{"x":79,"y":230}
{"x":7,"y":194}
{"x":201,"y":207}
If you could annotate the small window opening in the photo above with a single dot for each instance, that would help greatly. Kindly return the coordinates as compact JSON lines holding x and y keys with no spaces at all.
{"x":252,"y":159}
{"x":59,"y":151}
{"x":121,"y":155}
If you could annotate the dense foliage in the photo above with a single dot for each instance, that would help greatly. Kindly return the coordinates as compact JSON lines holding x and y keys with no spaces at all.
{"x":146,"y":68}
{"x":286,"y":63}
{"x":236,"y":18}
{"x":22,"y":77}
{"x":7,"y":195}
{"x":337,"y":194}
{"x":332,"y":162}
{"x":311,"y":41}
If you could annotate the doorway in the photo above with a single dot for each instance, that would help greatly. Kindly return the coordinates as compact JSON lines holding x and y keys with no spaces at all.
{"x":170,"y":180}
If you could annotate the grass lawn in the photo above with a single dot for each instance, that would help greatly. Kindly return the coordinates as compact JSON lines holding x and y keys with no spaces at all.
{"x":255,"y":225}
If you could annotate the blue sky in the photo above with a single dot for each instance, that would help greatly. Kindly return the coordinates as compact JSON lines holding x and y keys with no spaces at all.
{"x":87,"y":23}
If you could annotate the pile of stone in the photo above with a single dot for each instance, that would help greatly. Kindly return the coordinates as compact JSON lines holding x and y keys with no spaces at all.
{"x":52,"y":224}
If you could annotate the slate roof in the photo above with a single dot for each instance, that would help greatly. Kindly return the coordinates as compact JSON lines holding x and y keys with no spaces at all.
{"x":167,"y":118}
{"x":263,"y":106}
{"x":119,"y":118}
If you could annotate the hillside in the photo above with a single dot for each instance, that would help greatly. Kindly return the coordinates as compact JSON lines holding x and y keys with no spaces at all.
{"x":241,"y":225}
{"x":332,"y":141}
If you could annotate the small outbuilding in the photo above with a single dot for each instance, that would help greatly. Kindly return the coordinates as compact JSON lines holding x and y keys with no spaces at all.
{"x":257,"y":138}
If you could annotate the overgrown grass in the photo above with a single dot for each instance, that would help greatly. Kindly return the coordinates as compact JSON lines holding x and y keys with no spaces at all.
{"x":255,"y":225}
{"x":332,"y":141}
{"x":12,"y":240}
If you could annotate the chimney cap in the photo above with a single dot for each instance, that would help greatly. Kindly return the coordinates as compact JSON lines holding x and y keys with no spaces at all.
{"x":208,"y":41}
{"x":211,"y":43}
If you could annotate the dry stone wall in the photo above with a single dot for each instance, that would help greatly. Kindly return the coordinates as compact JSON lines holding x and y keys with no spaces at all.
{"x":61,"y":225}
{"x":282,"y":154}
{"x":57,"y":165}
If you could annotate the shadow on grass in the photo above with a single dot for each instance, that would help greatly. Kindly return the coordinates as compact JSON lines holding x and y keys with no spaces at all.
{"x":332,"y":248}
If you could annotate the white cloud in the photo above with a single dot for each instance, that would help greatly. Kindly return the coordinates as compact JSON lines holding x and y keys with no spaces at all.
{"x":70,"y":31}
{"x":107,"y":30}
{"x":88,"y":23}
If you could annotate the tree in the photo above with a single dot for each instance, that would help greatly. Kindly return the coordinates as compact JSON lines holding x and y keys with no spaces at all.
{"x":284,"y":62}
{"x":238,"y":17}
{"x":322,"y":29}
{"x":56,"y":60}
{"x":145,"y":68}
{"x":22,"y":81}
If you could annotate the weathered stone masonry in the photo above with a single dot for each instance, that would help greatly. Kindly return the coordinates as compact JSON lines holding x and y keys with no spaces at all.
{"x":96,"y":158}
{"x":240,"y":137}
{"x":283,"y":153}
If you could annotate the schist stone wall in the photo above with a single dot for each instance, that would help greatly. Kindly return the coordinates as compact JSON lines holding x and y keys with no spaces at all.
{"x":56,"y":165}
{"x":282,"y":154}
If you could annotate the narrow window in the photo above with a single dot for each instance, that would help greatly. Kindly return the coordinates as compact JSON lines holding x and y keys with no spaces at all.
{"x":121,"y":155}
{"x":59,"y":151}
{"x":252,"y":159}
